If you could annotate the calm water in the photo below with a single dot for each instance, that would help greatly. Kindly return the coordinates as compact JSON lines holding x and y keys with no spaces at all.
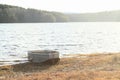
{"x":67,"y":38}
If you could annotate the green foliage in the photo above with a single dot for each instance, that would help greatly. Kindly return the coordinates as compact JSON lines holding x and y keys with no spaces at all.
{"x":14,"y":14}
{"x":10,"y":14}
{"x":60,"y":17}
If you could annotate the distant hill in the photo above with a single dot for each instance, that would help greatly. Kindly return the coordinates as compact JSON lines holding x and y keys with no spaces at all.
{"x":107,"y":16}
{"x":14,"y":14}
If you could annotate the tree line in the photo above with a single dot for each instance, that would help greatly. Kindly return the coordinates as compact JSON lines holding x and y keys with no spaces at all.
{"x":14,"y":14}
{"x":106,"y":16}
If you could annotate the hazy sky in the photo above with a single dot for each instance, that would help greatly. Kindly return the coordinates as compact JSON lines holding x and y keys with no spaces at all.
{"x":79,"y":6}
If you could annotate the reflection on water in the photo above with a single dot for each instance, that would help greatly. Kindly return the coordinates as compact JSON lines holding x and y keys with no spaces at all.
{"x":67,"y":38}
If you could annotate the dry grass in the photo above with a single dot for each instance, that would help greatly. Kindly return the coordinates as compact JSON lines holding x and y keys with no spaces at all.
{"x":78,"y":67}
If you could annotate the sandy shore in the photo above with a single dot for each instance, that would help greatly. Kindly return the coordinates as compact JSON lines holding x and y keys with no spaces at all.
{"x":77,"y":67}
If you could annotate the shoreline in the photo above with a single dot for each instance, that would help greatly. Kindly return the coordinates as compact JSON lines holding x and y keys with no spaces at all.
{"x":78,"y":67}
{"x":14,"y":62}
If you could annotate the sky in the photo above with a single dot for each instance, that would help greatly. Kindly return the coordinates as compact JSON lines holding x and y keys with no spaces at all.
{"x":67,"y":6}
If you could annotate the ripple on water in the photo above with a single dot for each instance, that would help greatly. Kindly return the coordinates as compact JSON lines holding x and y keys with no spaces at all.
{"x":17,"y":39}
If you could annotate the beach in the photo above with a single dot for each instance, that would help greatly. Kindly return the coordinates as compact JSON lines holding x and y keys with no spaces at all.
{"x":96,"y":66}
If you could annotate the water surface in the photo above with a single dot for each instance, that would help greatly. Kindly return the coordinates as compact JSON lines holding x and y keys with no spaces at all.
{"x":67,"y":38}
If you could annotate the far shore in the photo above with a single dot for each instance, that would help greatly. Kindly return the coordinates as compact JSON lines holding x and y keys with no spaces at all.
{"x":76,"y":67}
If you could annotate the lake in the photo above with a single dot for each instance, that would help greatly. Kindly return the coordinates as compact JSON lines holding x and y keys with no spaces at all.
{"x":67,"y":38}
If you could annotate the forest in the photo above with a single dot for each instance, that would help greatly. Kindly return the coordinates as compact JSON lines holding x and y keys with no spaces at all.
{"x":106,"y":16}
{"x":15,"y":14}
